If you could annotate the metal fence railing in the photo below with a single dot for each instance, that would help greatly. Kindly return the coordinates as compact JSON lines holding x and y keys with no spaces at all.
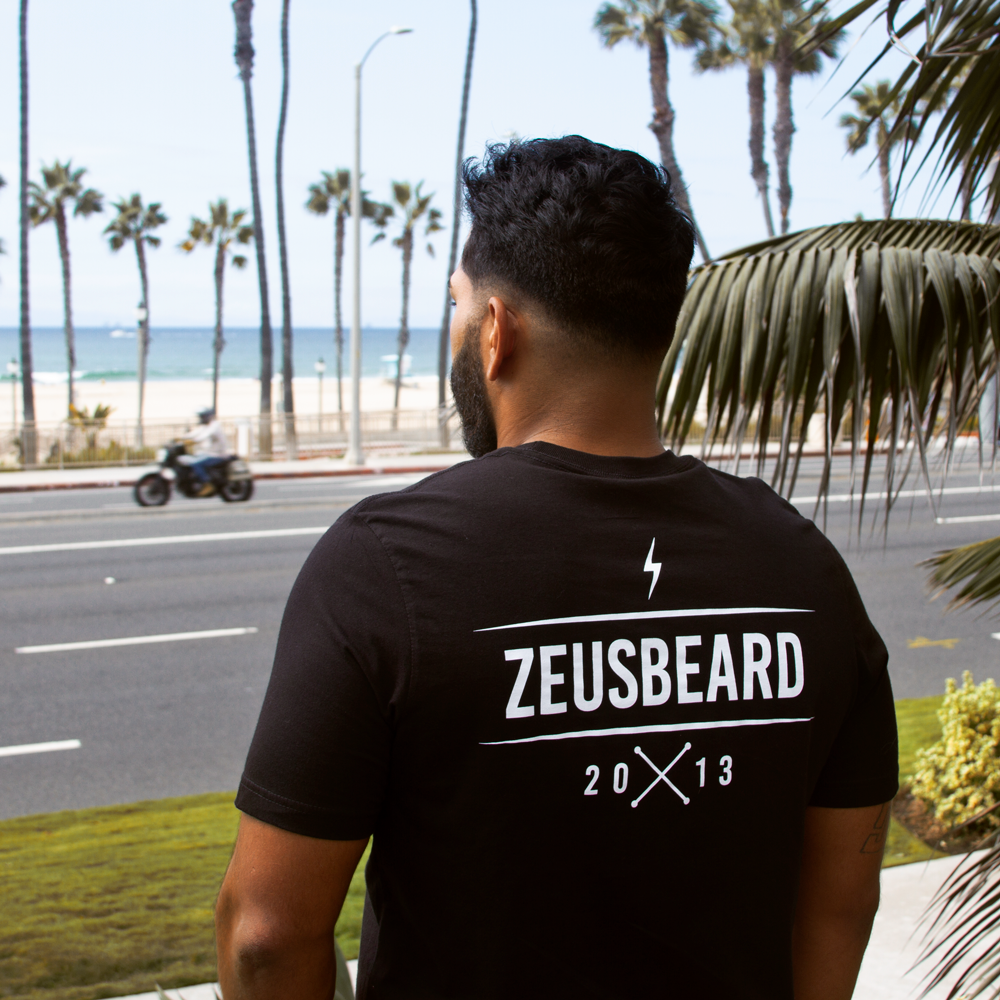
{"x":117,"y":443}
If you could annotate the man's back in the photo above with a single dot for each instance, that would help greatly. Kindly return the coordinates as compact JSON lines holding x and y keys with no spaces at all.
{"x":583,"y":703}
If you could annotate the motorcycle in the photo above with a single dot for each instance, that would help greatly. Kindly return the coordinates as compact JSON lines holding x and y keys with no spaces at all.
{"x":230,"y":480}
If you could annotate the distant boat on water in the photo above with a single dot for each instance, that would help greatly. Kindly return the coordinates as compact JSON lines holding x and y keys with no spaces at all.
{"x":117,"y":334}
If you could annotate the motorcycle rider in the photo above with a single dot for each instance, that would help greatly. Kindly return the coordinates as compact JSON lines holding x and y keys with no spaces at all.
{"x":210,"y":448}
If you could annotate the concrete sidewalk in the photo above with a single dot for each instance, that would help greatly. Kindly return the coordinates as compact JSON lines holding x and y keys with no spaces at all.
{"x":71,"y":479}
{"x":894,"y":947}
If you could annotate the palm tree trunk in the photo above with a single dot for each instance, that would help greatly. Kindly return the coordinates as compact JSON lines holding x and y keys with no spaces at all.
{"x":29,"y":439}
{"x":63,"y":236}
{"x":662,"y":126}
{"x":883,"y":169}
{"x":443,"y":337}
{"x":242,"y":11}
{"x":143,"y":345}
{"x":291,"y":444}
{"x":758,"y":165}
{"x":338,"y":277}
{"x":784,"y":127}
{"x":220,"y":269}
{"x":404,"y":322}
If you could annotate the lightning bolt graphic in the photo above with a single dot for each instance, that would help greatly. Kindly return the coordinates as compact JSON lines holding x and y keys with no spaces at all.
{"x":652,"y":567}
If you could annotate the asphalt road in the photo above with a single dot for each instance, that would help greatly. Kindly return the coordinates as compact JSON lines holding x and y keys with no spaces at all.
{"x":175,"y":718}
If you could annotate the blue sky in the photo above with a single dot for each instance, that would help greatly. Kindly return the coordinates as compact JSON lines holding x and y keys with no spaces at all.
{"x":146,"y":96}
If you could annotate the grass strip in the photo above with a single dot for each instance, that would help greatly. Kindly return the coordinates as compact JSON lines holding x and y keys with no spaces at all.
{"x":105,"y":902}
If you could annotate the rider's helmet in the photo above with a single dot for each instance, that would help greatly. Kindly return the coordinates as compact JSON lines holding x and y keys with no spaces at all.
{"x":205,"y":415}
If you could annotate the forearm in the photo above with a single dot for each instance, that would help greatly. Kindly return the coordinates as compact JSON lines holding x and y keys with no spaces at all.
{"x":254,"y":962}
{"x":277,"y":911}
{"x":827,"y":953}
{"x":837,"y":900}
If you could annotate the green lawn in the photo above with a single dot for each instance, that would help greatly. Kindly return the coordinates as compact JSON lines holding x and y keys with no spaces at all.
{"x":105,"y":902}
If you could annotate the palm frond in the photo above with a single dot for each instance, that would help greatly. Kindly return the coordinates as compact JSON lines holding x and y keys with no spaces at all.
{"x":963,"y":936}
{"x":883,"y":323}
{"x":955,"y":73}
{"x":978,"y":565}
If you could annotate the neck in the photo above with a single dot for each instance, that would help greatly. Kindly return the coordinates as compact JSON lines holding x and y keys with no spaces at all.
{"x":604,"y":413}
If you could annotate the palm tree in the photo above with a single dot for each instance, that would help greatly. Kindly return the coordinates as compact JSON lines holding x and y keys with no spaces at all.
{"x":333,"y":193}
{"x":134,"y":224}
{"x":243,"y":53}
{"x":792,"y":23}
{"x":649,"y":23}
{"x":443,"y":336}
{"x":748,"y":39}
{"x":413,"y":206}
{"x":291,"y":444}
{"x":61,"y":184}
{"x":222,"y":230}
{"x":874,"y":107}
{"x":29,"y":439}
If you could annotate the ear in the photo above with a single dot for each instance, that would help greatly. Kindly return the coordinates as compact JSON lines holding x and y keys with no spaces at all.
{"x":503,"y":329}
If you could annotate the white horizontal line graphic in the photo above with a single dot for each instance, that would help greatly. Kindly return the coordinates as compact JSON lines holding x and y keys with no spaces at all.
{"x":136,"y":640}
{"x":631,"y":616}
{"x":39,"y":748}
{"x":127,"y":543}
{"x":968,"y":519}
{"x":902,"y":495}
{"x":672,"y":727}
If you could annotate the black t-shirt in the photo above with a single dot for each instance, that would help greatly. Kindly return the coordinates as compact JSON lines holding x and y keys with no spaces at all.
{"x":581,"y":703}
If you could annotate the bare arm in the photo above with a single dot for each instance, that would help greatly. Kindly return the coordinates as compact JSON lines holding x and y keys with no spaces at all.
{"x":277,"y":910}
{"x":838,"y":897}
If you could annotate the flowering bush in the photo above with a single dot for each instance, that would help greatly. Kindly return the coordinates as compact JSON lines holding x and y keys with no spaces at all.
{"x":959,"y":776}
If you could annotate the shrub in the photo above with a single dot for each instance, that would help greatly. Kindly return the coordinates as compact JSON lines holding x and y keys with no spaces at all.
{"x":959,"y":776}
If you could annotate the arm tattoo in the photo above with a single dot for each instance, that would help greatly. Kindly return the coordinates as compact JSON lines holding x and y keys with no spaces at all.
{"x":875,"y":841}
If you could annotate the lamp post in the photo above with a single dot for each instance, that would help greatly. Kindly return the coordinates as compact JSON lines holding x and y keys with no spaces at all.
{"x":12,"y":371}
{"x":354,"y":454}
{"x":320,"y":367}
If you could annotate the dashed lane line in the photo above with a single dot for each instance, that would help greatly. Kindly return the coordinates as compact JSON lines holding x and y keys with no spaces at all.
{"x":25,"y":748}
{"x":136,"y":640}
{"x":127,"y":543}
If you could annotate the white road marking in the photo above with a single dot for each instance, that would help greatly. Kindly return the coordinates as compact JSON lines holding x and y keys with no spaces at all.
{"x":968,"y":519}
{"x":995,"y":635}
{"x":903,"y":494}
{"x":136,"y":640}
{"x":670,"y":727}
{"x":127,"y":543}
{"x":39,"y":748}
{"x":632,"y":616}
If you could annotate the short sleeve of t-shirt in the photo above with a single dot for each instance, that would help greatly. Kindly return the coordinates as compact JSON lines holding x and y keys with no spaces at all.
{"x":319,"y":759}
{"x":862,"y":768}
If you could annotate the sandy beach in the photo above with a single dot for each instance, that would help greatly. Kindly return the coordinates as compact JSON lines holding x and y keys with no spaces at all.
{"x":180,"y":400}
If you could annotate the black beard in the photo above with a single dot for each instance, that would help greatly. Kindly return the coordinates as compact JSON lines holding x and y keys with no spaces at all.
{"x":468,"y":386}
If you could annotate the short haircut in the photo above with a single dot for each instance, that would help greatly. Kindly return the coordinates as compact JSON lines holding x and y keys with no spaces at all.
{"x":589,"y":233}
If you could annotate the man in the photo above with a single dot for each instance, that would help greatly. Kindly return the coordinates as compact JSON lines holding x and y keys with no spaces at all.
{"x":210,"y":447}
{"x":617,"y":722}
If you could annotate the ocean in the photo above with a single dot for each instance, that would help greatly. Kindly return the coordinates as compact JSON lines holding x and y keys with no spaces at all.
{"x":186,"y":353}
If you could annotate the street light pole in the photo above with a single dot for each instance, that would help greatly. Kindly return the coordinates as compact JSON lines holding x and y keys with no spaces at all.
{"x":320,"y":367}
{"x":354,"y":455}
{"x":12,"y":372}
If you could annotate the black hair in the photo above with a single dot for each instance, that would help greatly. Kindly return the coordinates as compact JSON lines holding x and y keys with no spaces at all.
{"x":589,"y":233}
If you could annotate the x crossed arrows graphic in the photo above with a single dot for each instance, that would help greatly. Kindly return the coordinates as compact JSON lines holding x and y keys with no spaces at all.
{"x":662,"y":776}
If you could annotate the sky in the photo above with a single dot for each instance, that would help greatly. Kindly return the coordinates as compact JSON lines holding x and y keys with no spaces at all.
{"x":146,"y":96}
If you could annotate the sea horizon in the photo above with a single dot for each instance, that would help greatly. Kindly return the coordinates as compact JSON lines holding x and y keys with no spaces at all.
{"x":108,"y":353}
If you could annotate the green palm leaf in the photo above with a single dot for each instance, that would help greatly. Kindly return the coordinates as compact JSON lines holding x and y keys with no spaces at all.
{"x":892,"y":323}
